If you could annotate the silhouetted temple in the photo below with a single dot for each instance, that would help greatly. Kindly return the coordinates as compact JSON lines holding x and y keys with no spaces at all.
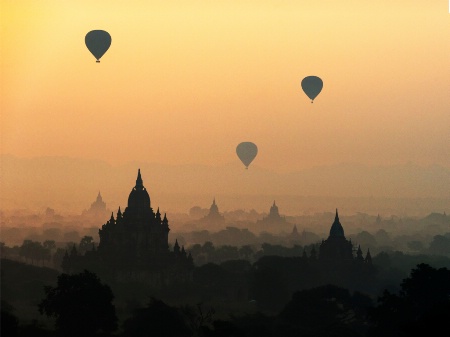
{"x":134,"y":244}
{"x":98,"y":205}
{"x":213,"y":218}
{"x":273,"y":218}
{"x":139,"y":233}
{"x":337,"y":249}
{"x":294,"y":233}
{"x":294,"y":236}
{"x":97,"y":209}
{"x":378,"y":220}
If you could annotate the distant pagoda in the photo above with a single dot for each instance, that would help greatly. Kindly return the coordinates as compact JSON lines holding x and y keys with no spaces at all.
{"x":213,"y":218}
{"x":97,"y":210}
{"x":274,"y":217}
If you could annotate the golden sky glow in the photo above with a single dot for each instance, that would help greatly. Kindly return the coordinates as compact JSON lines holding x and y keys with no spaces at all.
{"x":185,"y":81}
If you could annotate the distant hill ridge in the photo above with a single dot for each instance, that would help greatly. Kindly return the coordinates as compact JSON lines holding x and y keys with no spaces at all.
{"x":73,"y":184}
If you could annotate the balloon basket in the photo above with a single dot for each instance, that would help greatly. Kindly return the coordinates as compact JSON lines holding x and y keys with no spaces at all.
{"x":97,"y":61}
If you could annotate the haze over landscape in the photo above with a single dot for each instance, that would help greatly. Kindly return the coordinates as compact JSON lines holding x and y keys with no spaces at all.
{"x":163,"y":171}
{"x":184,"y":83}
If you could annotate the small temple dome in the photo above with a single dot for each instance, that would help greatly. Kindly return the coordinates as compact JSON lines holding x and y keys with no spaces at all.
{"x":274,"y":209}
{"x":214,"y":209}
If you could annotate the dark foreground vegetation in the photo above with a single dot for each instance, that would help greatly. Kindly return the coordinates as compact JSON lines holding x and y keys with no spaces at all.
{"x":81,"y":304}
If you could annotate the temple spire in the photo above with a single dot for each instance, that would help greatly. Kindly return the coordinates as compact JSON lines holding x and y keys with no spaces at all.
{"x":368,"y":258}
{"x":158,"y":215}
{"x":176,"y":247}
{"x":99,"y":196}
{"x":336,"y":228}
{"x":165,"y":222}
{"x":139,"y":182}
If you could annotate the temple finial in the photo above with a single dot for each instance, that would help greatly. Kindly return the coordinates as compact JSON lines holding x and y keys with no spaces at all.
{"x":139,"y":182}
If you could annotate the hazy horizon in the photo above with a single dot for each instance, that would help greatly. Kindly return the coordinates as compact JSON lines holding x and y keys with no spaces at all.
{"x":71,"y":185}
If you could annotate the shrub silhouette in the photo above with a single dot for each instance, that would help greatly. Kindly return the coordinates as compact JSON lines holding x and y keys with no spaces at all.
{"x":81,"y":304}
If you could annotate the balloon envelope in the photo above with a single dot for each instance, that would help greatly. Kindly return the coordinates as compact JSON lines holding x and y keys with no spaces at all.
{"x":246,"y":152}
{"x":98,"y":42}
{"x":312,"y":86}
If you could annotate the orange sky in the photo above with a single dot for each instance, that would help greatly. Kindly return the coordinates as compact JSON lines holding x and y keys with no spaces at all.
{"x":185,"y":81}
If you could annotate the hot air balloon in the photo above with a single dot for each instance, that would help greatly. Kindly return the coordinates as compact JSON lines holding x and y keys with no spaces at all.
{"x":312,"y":86}
{"x":98,"y":42}
{"x":246,"y":152}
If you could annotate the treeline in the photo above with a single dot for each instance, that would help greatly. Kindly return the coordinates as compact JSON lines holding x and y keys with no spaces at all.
{"x":51,"y":254}
{"x":432,"y":239}
{"x":48,"y":254}
{"x":209,"y":253}
{"x":420,"y":307}
{"x":421,"y":242}
{"x":45,"y":253}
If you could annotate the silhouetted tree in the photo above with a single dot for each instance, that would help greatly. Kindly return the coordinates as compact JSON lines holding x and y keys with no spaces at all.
{"x":283,"y":276}
{"x":72,"y":236}
{"x":199,"y":319}
{"x":246,"y":252}
{"x":49,"y":244}
{"x":85,"y":244}
{"x":415,"y":245}
{"x":275,"y":250}
{"x":226,"y":252}
{"x":236,"y":266}
{"x":81,"y":304}
{"x":25,"y":249}
{"x":9,"y":322}
{"x":210,"y":275}
{"x":58,"y":257}
{"x":268,"y":275}
{"x":224,"y":328}
{"x":34,"y":250}
{"x":65,"y":262}
{"x":250,"y":325}
{"x":46,"y":250}
{"x":440,"y":245}
{"x":421,"y":306}
{"x":52,"y":234}
{"x":325,"y":311}
{"x":157,"y":319}
{"x":208,"y":249}
{"x":35,"y":329}
{"x":2,"y":249}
